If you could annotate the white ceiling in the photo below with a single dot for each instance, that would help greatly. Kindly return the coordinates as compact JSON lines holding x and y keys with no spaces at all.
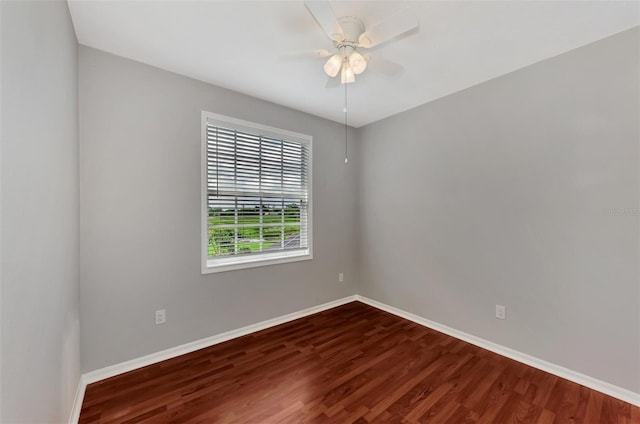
{"x":247,"y":46}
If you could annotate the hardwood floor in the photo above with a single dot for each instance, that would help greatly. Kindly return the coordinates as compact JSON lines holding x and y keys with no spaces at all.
{"x":351,"y":364}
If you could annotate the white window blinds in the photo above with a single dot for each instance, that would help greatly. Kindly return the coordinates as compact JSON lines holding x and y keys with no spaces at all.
{"x":257,"y":192}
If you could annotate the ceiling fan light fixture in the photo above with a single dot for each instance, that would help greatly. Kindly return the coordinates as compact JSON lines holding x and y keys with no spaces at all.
{"x":333,"y":65}
{"x":357,"y":62}
{"x":347,"y":76}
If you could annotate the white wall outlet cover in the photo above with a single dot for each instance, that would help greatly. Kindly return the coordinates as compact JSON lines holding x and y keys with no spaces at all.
{"x":501,"y":312}
{"x":341,"y":277}
{"x":161,"y":316}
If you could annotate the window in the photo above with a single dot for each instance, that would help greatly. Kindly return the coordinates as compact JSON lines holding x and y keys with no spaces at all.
{"x":256,"y":195}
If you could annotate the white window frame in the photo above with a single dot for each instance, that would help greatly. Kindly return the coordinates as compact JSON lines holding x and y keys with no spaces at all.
{"x":212,"y":265}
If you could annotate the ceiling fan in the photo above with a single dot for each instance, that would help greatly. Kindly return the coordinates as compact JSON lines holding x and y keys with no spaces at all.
{"x":350,"y":36}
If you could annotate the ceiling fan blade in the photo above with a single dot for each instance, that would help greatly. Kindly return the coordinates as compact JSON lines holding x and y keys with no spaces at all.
{"x":333,"y":82}
{"x":386,"y":67}
{"x":391,"y":27}
{"x":313,"y":54}
{"x":322,"y":53}
{"x":323,"y":14}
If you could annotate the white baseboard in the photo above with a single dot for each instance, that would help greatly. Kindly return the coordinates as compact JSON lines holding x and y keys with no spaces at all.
{"x":77,"y":401}
{"x":101,"y":374}
{"x":113,"y":370}
{"x":576,"y":377}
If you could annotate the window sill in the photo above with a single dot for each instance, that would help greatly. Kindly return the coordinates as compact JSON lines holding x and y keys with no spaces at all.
{"x":243,"y":262}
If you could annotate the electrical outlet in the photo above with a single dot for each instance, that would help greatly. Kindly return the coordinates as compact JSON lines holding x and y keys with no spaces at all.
{"x":340,"y":277}
{"x":161,"y":316}
{"x":501,"y":312}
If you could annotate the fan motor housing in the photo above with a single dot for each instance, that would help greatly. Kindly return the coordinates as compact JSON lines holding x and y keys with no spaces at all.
{"x":352,"y":28}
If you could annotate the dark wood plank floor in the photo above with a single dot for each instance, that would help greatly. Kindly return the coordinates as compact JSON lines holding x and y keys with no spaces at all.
{"x":351,"y":364}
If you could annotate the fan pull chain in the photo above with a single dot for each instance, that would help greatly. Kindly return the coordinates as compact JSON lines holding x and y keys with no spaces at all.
{"x":346,"y":129}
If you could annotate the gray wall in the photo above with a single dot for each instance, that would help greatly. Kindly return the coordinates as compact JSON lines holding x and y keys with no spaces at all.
{"x":521,"y":191}
{"x":140,"y":214}
{"x":500,"y":194}
{"x":40,"y":350}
